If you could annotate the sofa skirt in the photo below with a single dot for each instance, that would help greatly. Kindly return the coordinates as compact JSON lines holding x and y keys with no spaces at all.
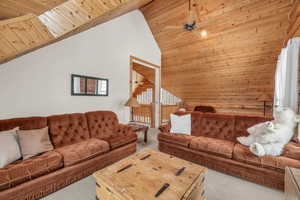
{"x":45,"y":185}
{"x":268,"y":177}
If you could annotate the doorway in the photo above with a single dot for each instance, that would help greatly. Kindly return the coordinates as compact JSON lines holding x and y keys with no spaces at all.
{"x":145,"y":89}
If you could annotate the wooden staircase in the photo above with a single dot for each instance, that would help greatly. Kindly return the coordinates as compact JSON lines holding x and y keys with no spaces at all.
{"x":142,"y":87}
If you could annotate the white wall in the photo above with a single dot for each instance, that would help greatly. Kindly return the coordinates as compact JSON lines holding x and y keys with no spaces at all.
{"x":39,"y":83}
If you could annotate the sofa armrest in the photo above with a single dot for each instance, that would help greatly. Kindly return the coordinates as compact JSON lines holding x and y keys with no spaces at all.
{"x":125,"y":129}
{"x":166,"y":128}
{"x":173,"y":138}
{"x":292,"y":150}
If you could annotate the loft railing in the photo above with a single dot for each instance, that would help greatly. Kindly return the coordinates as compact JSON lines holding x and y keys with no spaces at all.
{"x":169,"y":105}
{"x":143,"y":114}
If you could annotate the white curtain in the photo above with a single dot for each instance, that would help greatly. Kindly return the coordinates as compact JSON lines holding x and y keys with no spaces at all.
{"x":286,"y":77}
{"x":280,"y":79}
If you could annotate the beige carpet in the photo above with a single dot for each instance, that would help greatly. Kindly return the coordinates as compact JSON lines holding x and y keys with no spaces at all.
{"x":219,"y":186}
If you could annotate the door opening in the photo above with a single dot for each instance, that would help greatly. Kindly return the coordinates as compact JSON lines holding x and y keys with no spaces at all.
{"x":145,"y":90}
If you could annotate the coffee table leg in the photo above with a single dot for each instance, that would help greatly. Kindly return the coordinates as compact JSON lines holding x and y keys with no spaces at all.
{"x":146,"y":135}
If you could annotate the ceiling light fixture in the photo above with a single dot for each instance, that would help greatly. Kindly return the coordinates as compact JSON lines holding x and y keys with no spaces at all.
{"x":193,"y":23}
{"x":204,"y":33}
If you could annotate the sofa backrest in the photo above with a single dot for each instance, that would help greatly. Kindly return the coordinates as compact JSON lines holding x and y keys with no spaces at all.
{"x":222,"y":126}
{"x":27,"y":123}
{"x":68,"y":129}
{"x":102,"y":124}
{"x":213,"y":125}
{"x":242,"y":123}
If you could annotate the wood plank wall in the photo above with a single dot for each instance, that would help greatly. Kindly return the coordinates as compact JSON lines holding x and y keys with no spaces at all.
{"x":231,"y":67}
{"x":294,"y":20}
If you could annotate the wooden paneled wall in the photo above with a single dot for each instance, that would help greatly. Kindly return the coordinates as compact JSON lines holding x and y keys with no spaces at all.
{"x":294,"y":20}
{"x":29,"y":32}
{"x":231,"y":67}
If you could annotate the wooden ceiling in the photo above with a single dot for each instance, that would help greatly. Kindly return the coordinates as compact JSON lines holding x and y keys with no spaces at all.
{"x":147,"y":72}
{"x":16,"y":8}
{"x":20,"y":35}
{"x":234,"y":64}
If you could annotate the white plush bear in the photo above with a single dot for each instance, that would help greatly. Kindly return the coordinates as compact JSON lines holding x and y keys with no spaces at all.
{"x":269,"y":138}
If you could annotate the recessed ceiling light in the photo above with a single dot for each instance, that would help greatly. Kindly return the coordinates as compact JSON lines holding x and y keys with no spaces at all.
{"x":204,"y":33}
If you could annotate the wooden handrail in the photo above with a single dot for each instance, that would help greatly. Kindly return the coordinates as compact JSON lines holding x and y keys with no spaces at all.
{"x":143,"y":114}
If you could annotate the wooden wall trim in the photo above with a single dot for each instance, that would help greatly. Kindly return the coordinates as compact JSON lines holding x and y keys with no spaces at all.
{"x":144,"y":61}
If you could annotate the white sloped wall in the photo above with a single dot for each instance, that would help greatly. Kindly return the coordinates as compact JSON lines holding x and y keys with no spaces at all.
{"x":39,"y":83}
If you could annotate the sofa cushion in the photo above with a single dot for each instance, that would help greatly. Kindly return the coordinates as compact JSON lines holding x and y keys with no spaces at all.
{"x":82,"y":151}
{"x":28,"y":123}
{"x":183,"y":140}
{"x":9,"y":147}
{"x":121,"y":139}
{"x":34,"y":142}
{"x":242,"y":123}
{"x":102,"y":124}
{"x":68,"y":129}
{"x":123,"y":135}
{"x":242,"y":153}
{"x":22,"y":171}
{"x":219,"y":147}
{"x":181,"y":124}
{"x":214,"y":126}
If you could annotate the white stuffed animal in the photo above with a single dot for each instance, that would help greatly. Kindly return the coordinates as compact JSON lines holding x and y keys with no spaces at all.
{"x":269,"y":138}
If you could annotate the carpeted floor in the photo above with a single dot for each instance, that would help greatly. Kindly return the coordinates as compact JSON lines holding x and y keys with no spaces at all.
{"x":219,"y":186}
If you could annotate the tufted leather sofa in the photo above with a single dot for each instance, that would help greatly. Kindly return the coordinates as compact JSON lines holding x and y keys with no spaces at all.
{"x":83,"y":143}
{"x":213,"y":144}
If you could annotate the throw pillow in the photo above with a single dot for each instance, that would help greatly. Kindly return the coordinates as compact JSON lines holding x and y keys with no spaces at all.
{"x":181,"y":124}
{"x":34,"y":142}
{"x":9,"y":147}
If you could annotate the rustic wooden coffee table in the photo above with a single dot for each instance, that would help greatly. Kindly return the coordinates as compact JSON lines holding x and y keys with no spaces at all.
{"x":151,"y":175}
{"x":292,"y":183}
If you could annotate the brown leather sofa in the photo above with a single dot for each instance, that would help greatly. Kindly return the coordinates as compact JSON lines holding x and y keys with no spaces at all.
{"x":83,"y":144}
{"x":213,"y":144}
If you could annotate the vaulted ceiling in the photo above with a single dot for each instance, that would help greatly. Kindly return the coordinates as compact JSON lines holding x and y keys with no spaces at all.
{"x":229,"y":68}
{"x":234,"y":64}
{"x":146,"y":72}
{"x":16,"y":8}
{"x":31,"y":24}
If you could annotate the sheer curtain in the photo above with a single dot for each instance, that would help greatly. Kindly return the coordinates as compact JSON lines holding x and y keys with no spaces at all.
{"x":280,"y":79}
{"x":286,"y":77}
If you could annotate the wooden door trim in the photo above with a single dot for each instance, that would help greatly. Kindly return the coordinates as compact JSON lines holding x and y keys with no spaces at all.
{"x":150,"y":65}
{"x":144,"y":61}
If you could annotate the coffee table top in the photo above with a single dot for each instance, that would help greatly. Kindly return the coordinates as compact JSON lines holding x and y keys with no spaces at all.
{"x":146,"y":173}
{"x":137,"y":125}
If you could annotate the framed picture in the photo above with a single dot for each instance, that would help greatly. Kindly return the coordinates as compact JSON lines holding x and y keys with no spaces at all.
{"x":88,"y":86}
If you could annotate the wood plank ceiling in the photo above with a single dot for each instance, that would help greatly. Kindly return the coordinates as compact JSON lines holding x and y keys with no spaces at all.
{"x":28,"y":32}
{"x":231,"y":67}
{"x":146,"y":72}
{"x":16,"y":8}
